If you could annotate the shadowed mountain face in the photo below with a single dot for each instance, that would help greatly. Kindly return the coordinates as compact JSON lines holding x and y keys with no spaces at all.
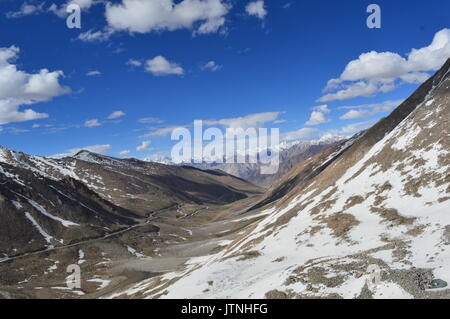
{"x":380,"y":199}
{"x":146,"y":186}
{"x":55,"y":202}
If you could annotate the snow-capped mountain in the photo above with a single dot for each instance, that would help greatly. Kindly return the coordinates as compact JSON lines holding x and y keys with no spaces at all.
{"x":290,"y":154}
{"x":367,"y":218}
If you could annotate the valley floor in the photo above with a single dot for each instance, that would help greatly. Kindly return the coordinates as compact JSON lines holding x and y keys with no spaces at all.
{"x":163,"y":242}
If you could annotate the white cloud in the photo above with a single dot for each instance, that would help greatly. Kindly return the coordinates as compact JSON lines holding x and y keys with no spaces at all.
{"x":257,"y":9}
{"x":116,"y":115}
{"x":13,"y":130}
{"x":160,"y":66}
{"x":367,"y":110}
{"x":124,"y":152}
{"x":358,"y":114}
{"x":92,"y":123}
{"x":256,"y":120}
{"x":317,"y":118}
{"x":93,"y":73}
{"x":249,"y":121}
{"x":310,"y":133}
{"x":26,"y":9}
{"x":135,"y":63}
{"x":143,"y":16}
{"x":375,"y":72}
{"x":150,"y":120}
{"x":353,"y":90}
{"x":302,"y":134}
{"x":394,"y":103}
{"x":144,"y":146}
{"x":433,"y":56}
{"x":322,"y":108}
{"x":163,"y":131}
{"x":61,"y":10}
{"x":95,"y":36}
{"x":212,"y":66}
{"x":318,"y":115}
{"x":9,"y":112}
{"x":355,"y":127}
{"x":18,"y":88}
{"x":415,"y":77}
{"x":99,"y":149}
{"x":374,"y":65}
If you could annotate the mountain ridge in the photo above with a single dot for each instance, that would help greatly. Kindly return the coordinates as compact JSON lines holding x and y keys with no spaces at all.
{"x":65,"y":194}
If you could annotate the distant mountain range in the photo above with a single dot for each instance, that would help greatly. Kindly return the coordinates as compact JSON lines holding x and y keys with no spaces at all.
{"x":290,"y":154}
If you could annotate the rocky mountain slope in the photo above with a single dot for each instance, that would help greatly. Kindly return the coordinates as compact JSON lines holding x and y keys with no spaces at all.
{"x":367,"y":219}
{"x":48,"y":202}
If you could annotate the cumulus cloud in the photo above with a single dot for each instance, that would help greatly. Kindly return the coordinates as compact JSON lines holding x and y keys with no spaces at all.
{"x":160,"y":66}
{"x":367,"y":110}
{"x":18,"y":88}
{"x":375,"y":72}
{"x":257,"y":9}
{"x":145,"y":146}
{"x":143,"y":16}
{"x":212,"y":66}
{"x":92,"y":123}
{"x":116,"y":115}
{"x":317,"y":118}
{"x":9,"y":112}
{"x":360,"y":88}
{"x":318,"y":115}
{"x":26,"y":9}
{"x":99,"y":149}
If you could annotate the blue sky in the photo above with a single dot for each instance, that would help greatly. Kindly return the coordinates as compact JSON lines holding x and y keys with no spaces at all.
{"x":262,"y":63}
